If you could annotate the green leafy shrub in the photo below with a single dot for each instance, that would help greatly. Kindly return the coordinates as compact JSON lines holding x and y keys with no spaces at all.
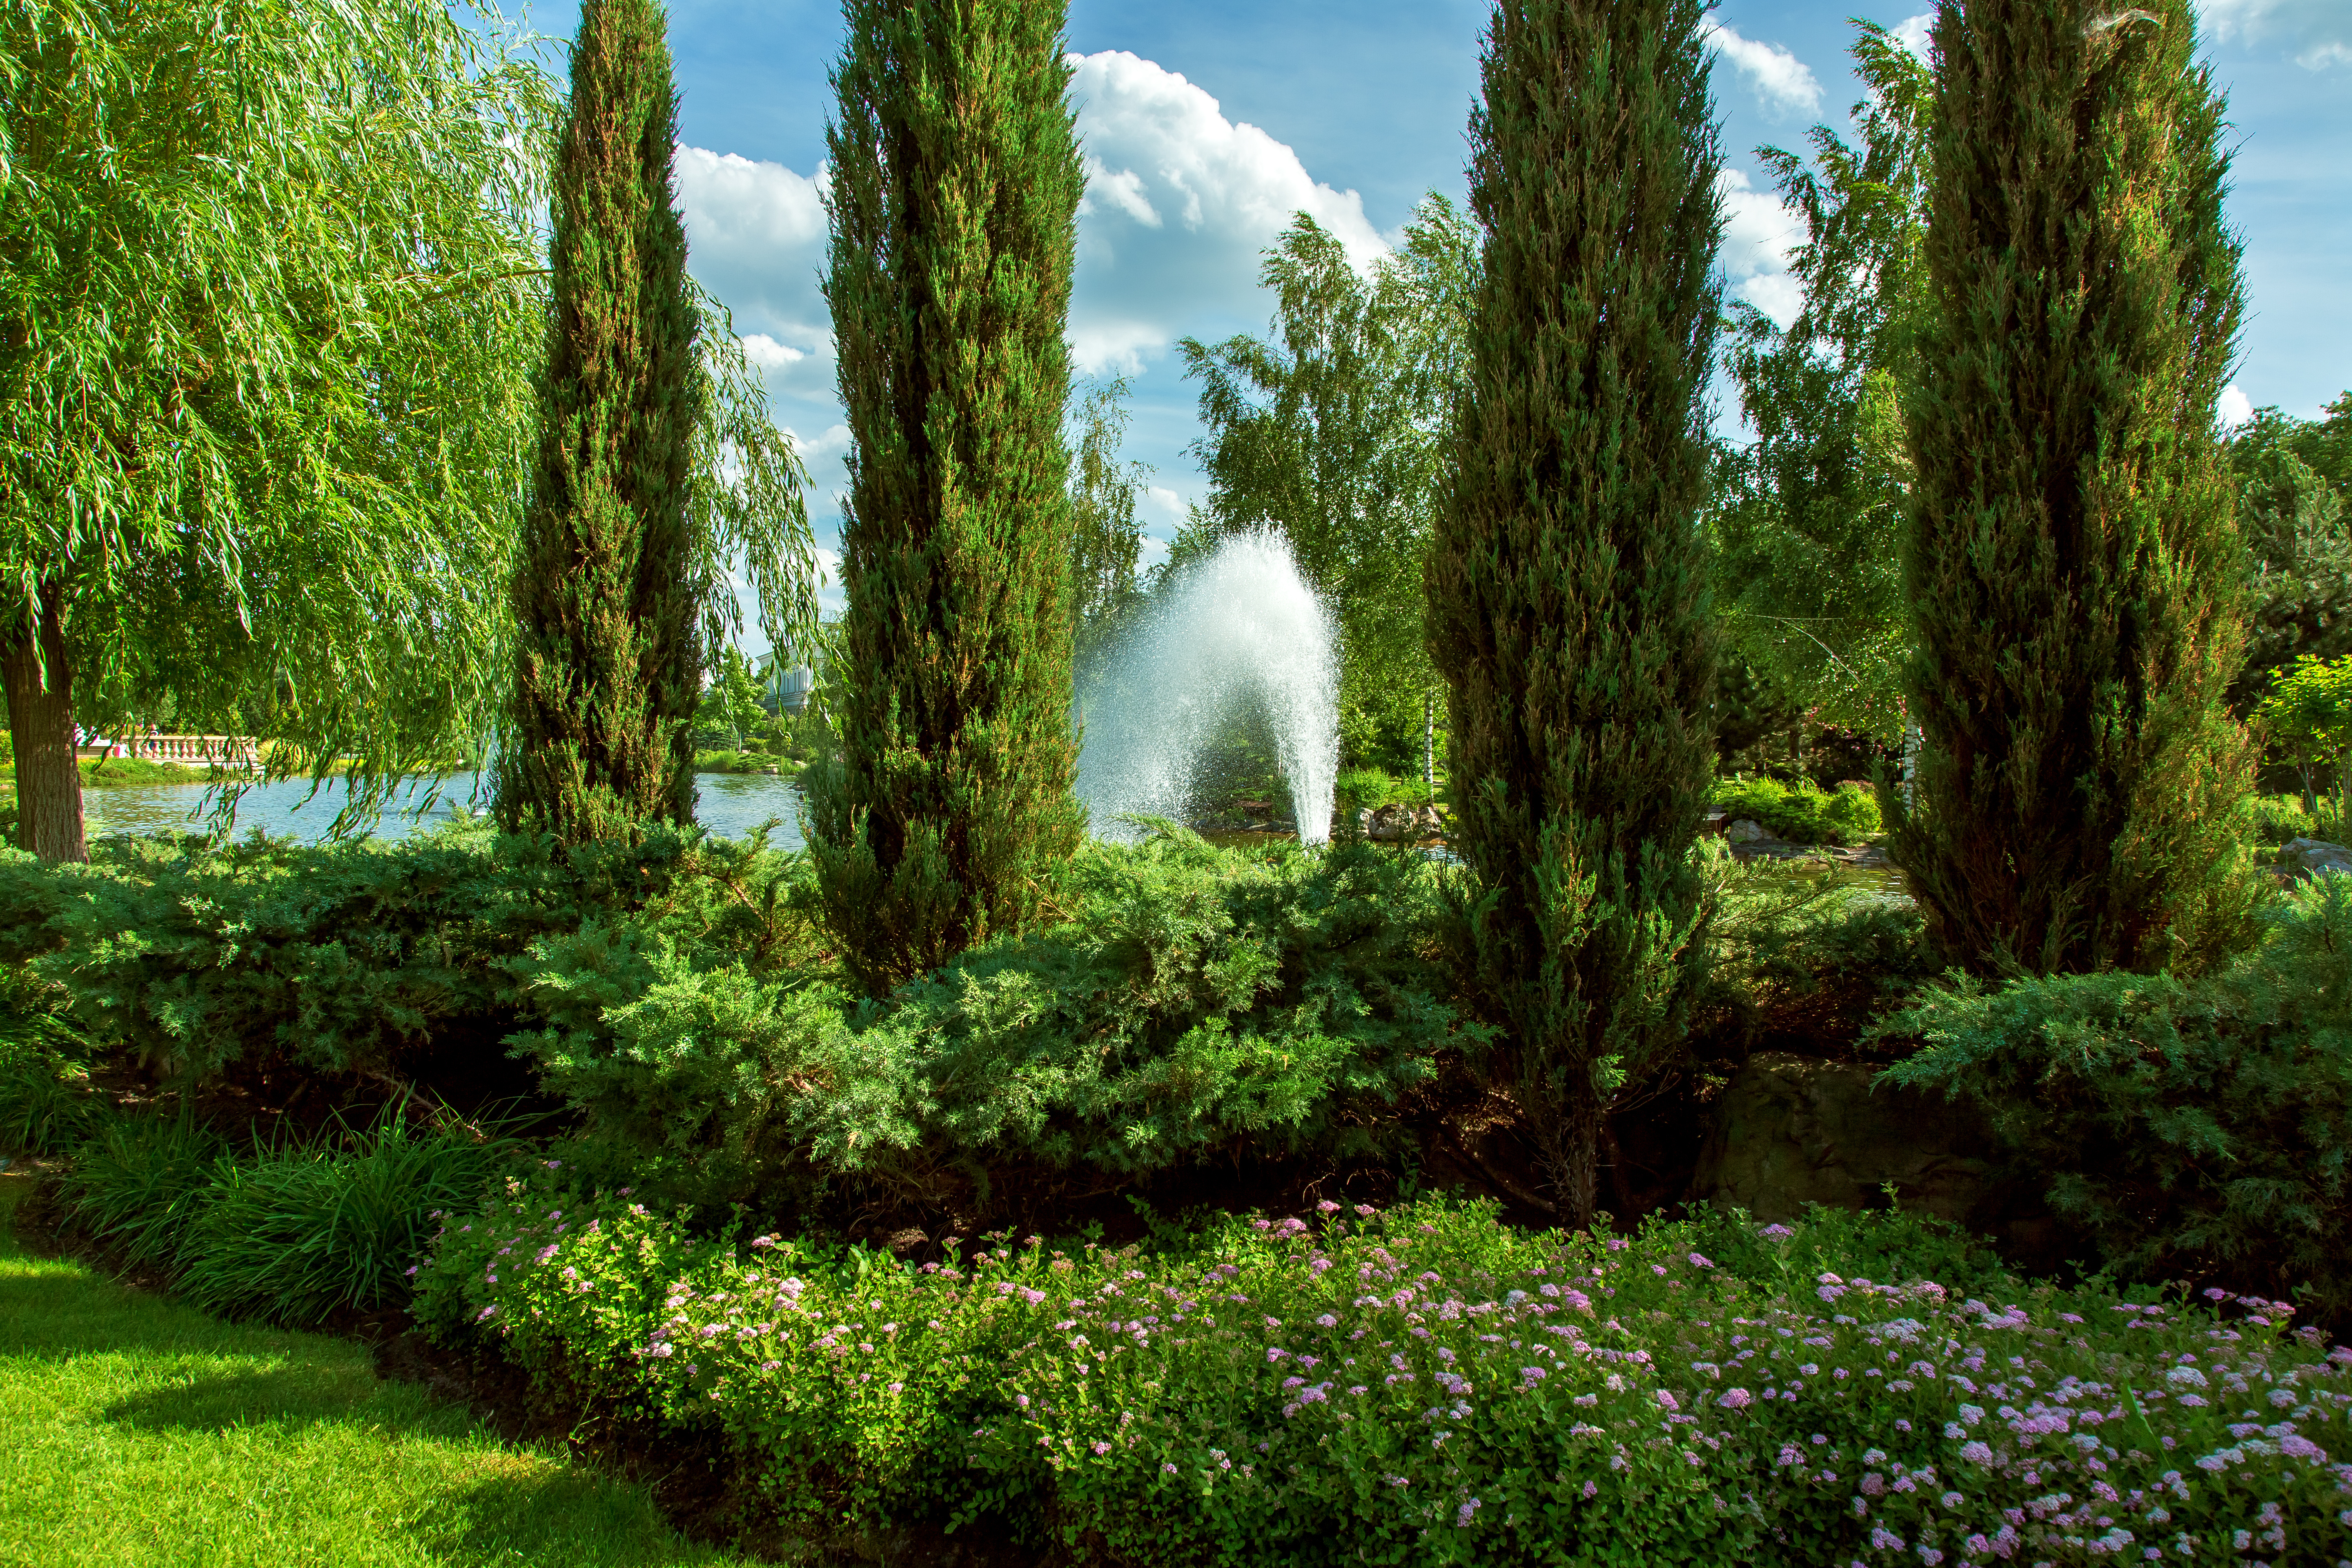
{"x":1368,"y":789}
{"x":1429,"y":1386}
{"x":346,"y":958}
{"x":2273,"y":819}
{"x":299,"y":1233}
{"x":2200,"y":1127}
{"x":1195,"y":997}
{"x":1804,"y":963}
{"x":46,"y":1104}
{"x":1801,"y":812}
{"x":137,"y":1183}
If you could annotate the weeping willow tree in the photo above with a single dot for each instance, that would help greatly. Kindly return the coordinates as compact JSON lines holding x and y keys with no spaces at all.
{"x":271,"y":302}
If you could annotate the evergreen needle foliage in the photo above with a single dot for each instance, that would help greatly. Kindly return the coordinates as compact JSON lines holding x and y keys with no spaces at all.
{"x":2072,"y":565}
{"x":607,"y":677}
{"x":1568,"y":608}
{"x":954,"y":204}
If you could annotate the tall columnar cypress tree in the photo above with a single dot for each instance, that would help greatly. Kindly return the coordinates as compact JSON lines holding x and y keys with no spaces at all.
{"x":608,"y":673}
{"x":2071,"y":559}
{"x":956,"y":185}
{"x":1569,"y":606}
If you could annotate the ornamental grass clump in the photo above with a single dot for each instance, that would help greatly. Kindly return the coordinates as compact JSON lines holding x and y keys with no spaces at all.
{"x":1427,"y":1387}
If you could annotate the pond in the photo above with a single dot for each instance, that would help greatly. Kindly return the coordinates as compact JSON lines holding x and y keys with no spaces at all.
{"x":731,"y":805}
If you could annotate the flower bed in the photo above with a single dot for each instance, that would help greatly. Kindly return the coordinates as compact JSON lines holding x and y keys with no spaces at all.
{"x":1428,"y":1386}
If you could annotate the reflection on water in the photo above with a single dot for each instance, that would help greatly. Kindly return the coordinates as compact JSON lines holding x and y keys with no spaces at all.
{"x":731,"y":805}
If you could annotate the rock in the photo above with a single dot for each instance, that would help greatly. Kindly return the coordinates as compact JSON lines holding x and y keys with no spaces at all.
{"x":2303,"y":859}
{"x":1403,"y":822}
{"x":1747,"y":830}
{"x":1789,"y":1131}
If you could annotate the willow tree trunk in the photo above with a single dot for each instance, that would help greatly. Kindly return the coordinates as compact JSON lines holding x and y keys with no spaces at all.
{"x":39,"y":681}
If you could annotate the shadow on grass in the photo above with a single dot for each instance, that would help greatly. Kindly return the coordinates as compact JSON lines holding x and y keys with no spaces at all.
{"x":283,"y":1397}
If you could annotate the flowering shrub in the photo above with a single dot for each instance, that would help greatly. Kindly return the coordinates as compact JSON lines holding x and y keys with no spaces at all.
{"x":1428,"y":1386}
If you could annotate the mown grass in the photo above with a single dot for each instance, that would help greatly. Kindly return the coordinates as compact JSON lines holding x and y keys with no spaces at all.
{"x":137,"y":1431}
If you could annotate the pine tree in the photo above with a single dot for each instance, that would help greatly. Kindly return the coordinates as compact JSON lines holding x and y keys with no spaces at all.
{"x":608,"y":673}
{"x":954,"y":207}
{"x":1569,"y":606}
{"x":2071,"y":562}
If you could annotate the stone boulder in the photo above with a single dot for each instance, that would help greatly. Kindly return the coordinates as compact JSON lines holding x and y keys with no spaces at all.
{"x":2301,"y":859}
{"x":1789,"y":1131}
{"x":1747,"y":830}
{"x":1400,"y":821}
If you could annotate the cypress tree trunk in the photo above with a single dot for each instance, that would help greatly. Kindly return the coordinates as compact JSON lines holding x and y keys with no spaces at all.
{"x":37,"y":673}
{"x":1569,"y":609}
{"x":2071,"y":560}
{"x":956,"y":185}
{"x":608,"y":673}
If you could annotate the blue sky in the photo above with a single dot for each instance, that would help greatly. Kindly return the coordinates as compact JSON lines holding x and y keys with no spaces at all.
{"x":1209,"y":121}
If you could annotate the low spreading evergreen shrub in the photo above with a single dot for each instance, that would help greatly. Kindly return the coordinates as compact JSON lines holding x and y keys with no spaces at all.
{"x":1429,"y":1386}
{"x":1193,"y":998}
{"x":46,"y":1104}
{"x":1807,"y":963}
{"x":1802,"y":813}
{"x":2200,"y":1127}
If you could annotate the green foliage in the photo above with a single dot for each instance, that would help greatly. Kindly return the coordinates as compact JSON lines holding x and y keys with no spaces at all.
{"x":2307,"y":712}
{"x":1194,"y":1000}
{"x":2071,"y":568}
{"x":2200,"y":1127}
{"x":1415,"y":1387}
{"x":2273,"y":819}
{"x":1368,"y":789}
{"x":347,"y":959}
{"x":301,"y":1233}
{"x":1802,"y":813}
{"x":2296,"y":479}
{"x":1806,"y":520}
{"x":1333,"y":429}
{"x":606,"y":666}
{"x":730,"y":712}
{"x":264,"y":396}
{"x":1806,"y":963}
{"x":956,"y":178}
{"x":47,"y":1105}
{"x":1106,"y":540}
{"x":296,"y":1234}
{"x":1567,"y":598}
{"x":137,"y":1183}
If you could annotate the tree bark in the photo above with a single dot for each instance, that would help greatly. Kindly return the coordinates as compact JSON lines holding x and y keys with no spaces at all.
{"x":40,"y":684}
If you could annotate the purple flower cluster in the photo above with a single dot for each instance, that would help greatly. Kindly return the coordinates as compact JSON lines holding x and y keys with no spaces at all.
{"x":1431,"y":1377}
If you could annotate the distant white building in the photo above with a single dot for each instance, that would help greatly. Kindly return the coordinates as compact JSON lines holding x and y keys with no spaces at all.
{"x":785,"y":688}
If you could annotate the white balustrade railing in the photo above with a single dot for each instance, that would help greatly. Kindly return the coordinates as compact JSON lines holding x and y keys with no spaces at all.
{"x":190,"y":751}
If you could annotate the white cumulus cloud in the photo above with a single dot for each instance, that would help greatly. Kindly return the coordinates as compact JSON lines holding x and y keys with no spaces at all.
{"x":1180,"y":204}
{"x":2236,"y":408}
{"x":1914,"y":32}
{"x":1778,"y":77}
{"x":1758,"y":233}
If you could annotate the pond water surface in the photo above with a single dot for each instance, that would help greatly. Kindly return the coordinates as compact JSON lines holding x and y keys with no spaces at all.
{"x":731,"y":805}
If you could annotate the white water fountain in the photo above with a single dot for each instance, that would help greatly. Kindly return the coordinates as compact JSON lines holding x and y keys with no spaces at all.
{"x":1242,"y":627}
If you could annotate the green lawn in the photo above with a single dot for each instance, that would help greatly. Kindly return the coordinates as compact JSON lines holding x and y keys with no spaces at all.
{"x":135,"y":1431}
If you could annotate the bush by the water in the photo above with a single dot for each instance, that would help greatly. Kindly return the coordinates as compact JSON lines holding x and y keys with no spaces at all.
{"x":1802,"y":813}
{"x":1428,"y":1386}
{"x":677,"y":996}
{"x":2201,"y":1128}
{"x":1194,"y":998}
